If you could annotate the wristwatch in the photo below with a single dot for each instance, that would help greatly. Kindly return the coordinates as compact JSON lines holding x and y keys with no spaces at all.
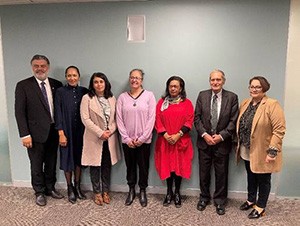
{"x":180,"y":133}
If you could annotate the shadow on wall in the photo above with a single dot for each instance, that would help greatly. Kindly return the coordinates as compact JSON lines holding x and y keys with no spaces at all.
{"x":5,"y":173}
{"x":289,"y":182}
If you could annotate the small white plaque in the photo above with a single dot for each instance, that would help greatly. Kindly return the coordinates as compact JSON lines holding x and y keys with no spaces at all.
{"x":136,"y":28}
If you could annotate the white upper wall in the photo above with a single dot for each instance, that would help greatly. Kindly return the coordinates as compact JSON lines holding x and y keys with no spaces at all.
{"x":292,"y":80}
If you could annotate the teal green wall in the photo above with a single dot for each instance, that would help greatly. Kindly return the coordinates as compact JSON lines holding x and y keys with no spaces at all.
{"x":187,"y":38}
{"x":5,"y":171}
{"x":289,"y":179}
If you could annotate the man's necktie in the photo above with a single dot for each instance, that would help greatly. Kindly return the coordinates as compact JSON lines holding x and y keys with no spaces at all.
{"x":214,"y":114}
{"x":43,"y":88}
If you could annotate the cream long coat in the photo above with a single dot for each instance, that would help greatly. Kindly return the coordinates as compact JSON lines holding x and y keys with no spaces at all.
{"x":268,"y":129}
{"x":94,"y":120}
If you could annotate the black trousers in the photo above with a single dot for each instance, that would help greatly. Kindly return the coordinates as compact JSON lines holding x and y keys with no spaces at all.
{"x":207,"y":158}
{"x":258,"y":182}
{"x":43,"y":157}
{"x":137,"y":157}
{"x":100,"y":175}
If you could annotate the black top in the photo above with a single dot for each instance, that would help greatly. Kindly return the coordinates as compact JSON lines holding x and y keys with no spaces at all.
{"x":246,"y":124}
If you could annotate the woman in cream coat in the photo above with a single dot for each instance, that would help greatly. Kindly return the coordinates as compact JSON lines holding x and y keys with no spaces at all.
{"x":101,"y":147}
{"x":260,"y":129}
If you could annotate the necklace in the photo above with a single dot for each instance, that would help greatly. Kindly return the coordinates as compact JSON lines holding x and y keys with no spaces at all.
{"x":135,"y":98}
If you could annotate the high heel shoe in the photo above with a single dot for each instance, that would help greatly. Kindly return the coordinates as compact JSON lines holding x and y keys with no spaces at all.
{"x":255,"y":214}
{"x":71,"y":194}
{"x":98,"y":199}
{"x":143,"y":198}
{"x":106,"y":198}
{"x":78,"y":191}
{"x":168,"y":199}
{"x":246,"y":206}
{"x":130,"y":197}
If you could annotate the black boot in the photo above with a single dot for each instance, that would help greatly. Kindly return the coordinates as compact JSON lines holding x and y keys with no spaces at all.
{"x":143,"y":198}
{"x":177,"y":197}
{"x":177,"y":200}
{"x":130,"y":197}
{"x":168,"y":199}
{"x":169,"y":196}
{"x":71,"y":194}
{"x":78,"y":191}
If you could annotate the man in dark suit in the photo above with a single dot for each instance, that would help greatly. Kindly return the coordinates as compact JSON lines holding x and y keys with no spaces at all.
{"x":216,"y":113}
{"x":34,"y":101}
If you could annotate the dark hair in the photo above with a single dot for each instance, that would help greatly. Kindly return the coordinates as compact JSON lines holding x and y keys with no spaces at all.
{"x":265,"y":85}
{"x":182,"y":86}
{"x":76,"y":68}
{"x":107,"y":90}
{"x":40,"y":57}
{"x":139,"y":70}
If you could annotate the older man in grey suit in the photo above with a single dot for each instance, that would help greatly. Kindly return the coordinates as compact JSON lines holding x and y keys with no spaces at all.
{"x":216,"y":113}
{"x":34,"y":98}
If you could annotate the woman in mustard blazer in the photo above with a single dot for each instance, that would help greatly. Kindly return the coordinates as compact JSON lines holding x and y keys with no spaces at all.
{"x":260,"y":130}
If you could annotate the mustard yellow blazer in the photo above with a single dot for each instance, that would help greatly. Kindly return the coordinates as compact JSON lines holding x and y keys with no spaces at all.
{"x":268,"y":129}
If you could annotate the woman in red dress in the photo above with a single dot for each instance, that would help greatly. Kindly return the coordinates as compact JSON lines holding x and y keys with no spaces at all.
{"x":174,"y":148}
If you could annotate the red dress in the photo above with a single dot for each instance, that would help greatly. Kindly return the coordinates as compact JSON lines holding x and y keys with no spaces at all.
{"x":177,"y":157}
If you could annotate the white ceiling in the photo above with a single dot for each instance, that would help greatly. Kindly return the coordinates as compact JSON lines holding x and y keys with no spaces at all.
{"x":14,"y":2}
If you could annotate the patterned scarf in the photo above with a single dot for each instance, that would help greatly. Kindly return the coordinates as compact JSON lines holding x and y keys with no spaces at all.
{"x":170,"y":100}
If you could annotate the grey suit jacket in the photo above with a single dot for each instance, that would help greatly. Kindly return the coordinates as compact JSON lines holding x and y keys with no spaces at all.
{"x":31,"y":112}
{"x":226,"y":122}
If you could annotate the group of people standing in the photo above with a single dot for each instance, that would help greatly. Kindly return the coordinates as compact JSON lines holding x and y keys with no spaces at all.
{"x":84,"y":122}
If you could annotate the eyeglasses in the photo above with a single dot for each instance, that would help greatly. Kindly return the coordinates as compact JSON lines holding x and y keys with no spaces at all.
{"x":258,"y":88}
{"x":135,"y":78}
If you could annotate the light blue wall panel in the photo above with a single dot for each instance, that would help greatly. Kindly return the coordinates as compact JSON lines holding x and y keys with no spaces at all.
{"x":187,"y":38}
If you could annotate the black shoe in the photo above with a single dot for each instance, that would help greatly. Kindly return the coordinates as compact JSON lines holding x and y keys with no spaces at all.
{"x":168,"y":199}
{"x":54,"y":194}
{"x":143,"y":198}
{"x":71,"y":194}
{"x":255,"y":214}
{"x":202,"y":205}
{"x":130,"y":197}
{"x":246,"y":206}
{"x":41,"y":200}
{"x":78,"y":192}
{"x":220,"y":209}
{"x":177,"y":200}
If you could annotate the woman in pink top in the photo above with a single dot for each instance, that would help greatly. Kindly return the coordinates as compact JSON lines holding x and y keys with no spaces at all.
{"x":135,"y":121}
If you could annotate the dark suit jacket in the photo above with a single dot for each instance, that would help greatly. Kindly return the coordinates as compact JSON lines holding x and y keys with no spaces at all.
{"x":31,"y":112}
{"x":226,"y":123}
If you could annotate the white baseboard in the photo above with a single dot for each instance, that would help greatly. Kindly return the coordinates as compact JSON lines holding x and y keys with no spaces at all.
{"x":150,"y":189}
